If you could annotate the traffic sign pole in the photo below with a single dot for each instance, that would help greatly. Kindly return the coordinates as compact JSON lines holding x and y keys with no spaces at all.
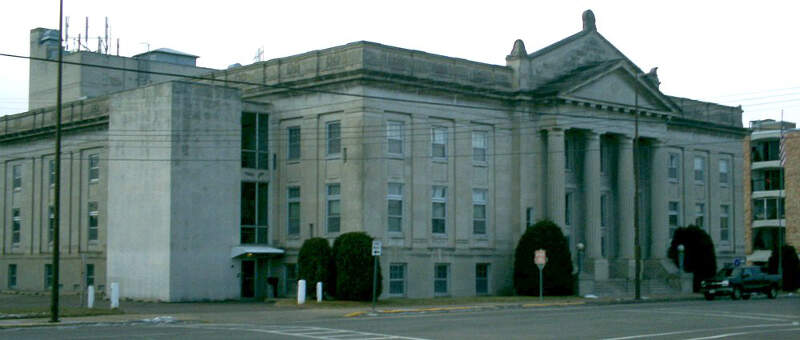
{"x":540,"y":258}
{"x":376,"y":251}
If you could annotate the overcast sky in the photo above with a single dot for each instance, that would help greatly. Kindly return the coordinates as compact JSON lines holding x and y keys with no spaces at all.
{"x":731,"y":52}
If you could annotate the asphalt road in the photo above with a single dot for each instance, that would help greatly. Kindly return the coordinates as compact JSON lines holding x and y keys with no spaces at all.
{"x":759,"y":318}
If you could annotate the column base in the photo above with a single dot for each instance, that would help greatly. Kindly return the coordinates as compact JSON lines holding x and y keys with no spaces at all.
{"x":600,"y":269}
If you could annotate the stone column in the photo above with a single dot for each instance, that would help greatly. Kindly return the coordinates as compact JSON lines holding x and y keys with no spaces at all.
{"x":658,"y":201}
{"x":625,"y":196}
{"x":555,"y":176}
{"x":591,"y":184}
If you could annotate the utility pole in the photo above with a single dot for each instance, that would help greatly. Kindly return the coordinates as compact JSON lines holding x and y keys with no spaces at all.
{"x":57,"y":184}
{"x":637,"y":250}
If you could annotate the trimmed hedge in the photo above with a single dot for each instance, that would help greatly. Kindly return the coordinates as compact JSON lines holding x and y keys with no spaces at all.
{"x":699,"y":256}
{"x":314,"y":263}
{"x":354,"y":266}
{"x":557,"y":275}
{"x":791,"y":267}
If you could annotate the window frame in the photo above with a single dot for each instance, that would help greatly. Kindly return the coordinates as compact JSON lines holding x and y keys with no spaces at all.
{"x":437,"y":280}
{"x":51,"y":223}
{"x":260,"y":151}
{"x":674,"y":166}
{"x":94,"y":167}
{"x":568,"y":207}
{"x":676,"y":213}
{"x":724,"y":223}
{"x":16,"y":226}
{"x":480,"y":153}
{"x":724,"y":174}
{"x":260,"y":226}
{"x":394,"y":197}
{"x":441,"y":131}
{"x":16,"y":177}
{"x":604,"y":161}
{"x":395,"y":135}
{"x":333,"y":143}
{"x":293,"y":143}
{"x":700,"y":215}
{"x":12,"y":276}
{"x":51,"y":172}
{"x":480,"y":198}
{"x":333,"y":218}
{"x":92,"y":221}
{"x":48,"y":276}
{"x":89,"y":275}
{"x":439,"y":201}
{"x":569,"y":154}
{"x":397,"y":281}
{"x":293,"y":224}
{"x":482,"y":282}
{"x":699,"y":174}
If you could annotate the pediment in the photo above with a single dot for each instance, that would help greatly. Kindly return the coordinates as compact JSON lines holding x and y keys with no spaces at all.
{"x":621,"y":88}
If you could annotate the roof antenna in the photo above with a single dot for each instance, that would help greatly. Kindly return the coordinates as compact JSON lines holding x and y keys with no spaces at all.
{"x":66,"y":34}
{"x":259,"y":54}
{"x":86,"y":37}
{"x":105,"y":41}
{"x":117,"y":47}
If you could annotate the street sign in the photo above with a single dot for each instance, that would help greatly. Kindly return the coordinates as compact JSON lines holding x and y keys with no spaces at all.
{"x":540,"y":258}
{"x":737,"y":262}
{"x":376,"y":248}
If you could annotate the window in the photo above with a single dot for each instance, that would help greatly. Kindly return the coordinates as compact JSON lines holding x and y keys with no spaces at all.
{"x":439,"y":143}
{"x":674,"y":166}
{"x":568,"y":208}
{"x":89,"y":275}
{"x":766,"y":209}
{"x":394,"y":137}
{"x":254,"y":225}
{"x":569,"y":146}
{"x":440,"y":278}
{"x":333,"y":133}
{"x":333,"y":211}
{"x":51,"y":223}
{"x":397,"y":279}
{"x":291,"y":278}
{"x":255,"y":133}
{"x":528,"y":216}
{"x":16,"y":173}
{"x":439,"y":209}
{"x":603,"y":156}
{"x":94,"y":167}
{"x":93,"y":222}
{"x":394,"y":210}
{"x":51,"y":166}
{"x":479,"y":211}
{"x":294,"y":143}
{"x":293,"y":208}
{"x":699,"y":215}
{"x":724,"y":227}
{"x":16,"y":225}
{"x":699,"y":169}
{"x":48,"y":276}
{"x":481,"y":278}
{"x":603,"y":222}
{"x":724,"y":165}
{"x":765,"y":151}
{"x":12,"y":276}
{"x":479,"y":146}
{"x":674,"y":217}
{"x":766,"y":180}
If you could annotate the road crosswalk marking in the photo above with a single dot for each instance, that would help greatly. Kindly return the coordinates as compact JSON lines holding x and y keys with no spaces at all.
{"x":302,"y":331}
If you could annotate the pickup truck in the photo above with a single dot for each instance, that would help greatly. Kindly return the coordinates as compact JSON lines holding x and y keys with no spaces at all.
{"x":740,"y":282}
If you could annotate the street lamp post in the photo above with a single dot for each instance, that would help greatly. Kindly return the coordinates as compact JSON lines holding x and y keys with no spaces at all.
{"x":580,"y":248}
{"x":681,"y":249}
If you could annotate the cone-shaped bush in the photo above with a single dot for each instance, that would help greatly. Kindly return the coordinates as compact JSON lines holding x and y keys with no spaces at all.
{"x":791,"y":267}
{"x":314,"y":262}
{"x":557,"y":272}
{"x":699,"y":257}
{"x":354,"y":266}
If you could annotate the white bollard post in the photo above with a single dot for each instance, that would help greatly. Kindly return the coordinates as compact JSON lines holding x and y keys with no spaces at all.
{"x":301,"y":292}
{"x":319,"y":291}
{"x":90,"y":297}
{"x":114,"y":295}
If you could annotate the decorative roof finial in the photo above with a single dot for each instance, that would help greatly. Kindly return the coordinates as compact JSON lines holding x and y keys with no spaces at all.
{"x":519,"y":49}
{"x":588,"y":21}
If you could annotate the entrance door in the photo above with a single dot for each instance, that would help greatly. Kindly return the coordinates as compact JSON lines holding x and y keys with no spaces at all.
{"x":248,"y":279}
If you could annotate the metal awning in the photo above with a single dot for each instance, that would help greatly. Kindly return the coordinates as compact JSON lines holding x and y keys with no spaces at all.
{"x":247,"y":251}
{"x":759,"y":256}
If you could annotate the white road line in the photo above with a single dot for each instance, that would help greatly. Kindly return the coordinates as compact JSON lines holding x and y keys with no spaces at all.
{"x":651,"y":335}
{"x":746,"y":333}
{"x":300,"y":331}
{"x":689,"y":312}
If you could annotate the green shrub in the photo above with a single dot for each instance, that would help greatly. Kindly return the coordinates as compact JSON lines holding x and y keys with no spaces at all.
{"x":558,"y":279}
{"x":314,"y":263}
{"x":699,"y":256}
{"x":791,"y":267}
{"x":354,"y":266}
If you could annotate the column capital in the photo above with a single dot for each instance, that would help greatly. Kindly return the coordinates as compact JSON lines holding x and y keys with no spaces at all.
{"x":590,"y":134}
{"x":625,"y":139}
{"x":555,"y":129}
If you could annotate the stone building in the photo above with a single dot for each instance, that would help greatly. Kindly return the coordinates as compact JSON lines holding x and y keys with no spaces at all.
{"x":771,"y":203}
{"x":205,"y":188}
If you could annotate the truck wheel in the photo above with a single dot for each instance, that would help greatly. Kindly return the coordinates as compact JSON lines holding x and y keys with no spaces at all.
{"x":709,"y":297}
{"x":746,"y":296}
{"x":772,"y":292}
{"x":737,"y":293}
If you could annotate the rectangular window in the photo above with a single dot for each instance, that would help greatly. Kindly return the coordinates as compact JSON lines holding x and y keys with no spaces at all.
{"x":439,"y":143}
{"x":51,"y":223}
{"x":724,"y":170}
{"x":48,"y":276}
{"x":439,"y":209}
{"x":94,"y":167}
{"x":603,"y":156}
{"x":603,"y":222}
{"x":528,"y":216}
{"x":255,"y":132}
{"x":333,"y":211}
{"x":294,"y":143}
{"x":333,"y":133}
{"x":481,"y":278}
{"x":699,"y":169}
{"x":93,"y":220}
{"x":674,"y":217}
{"x":674,"y":166}
{"x":766,"y":180}
{"x":724,"y":227}
{"x":395,"y":137}
{"x":568,"y":208}
{"x":12,"y":276}
{"x":441,"y":278}
{"x":394,"y":210}
{"x":397,"y":279}
{"x":699,"y":215}
{"x":254,"y":217}
{"x":16,"y":174}
{"x":90,"y":275}
{"x":479,"y":211}
{"x":51,"y":166}
{"x":291,"y":278}
{"x":479,"y":145}
{"x":16,"y":225}
{"x":293,"y":210}
{"x":569,"y":160}
{"x":765,"y":209}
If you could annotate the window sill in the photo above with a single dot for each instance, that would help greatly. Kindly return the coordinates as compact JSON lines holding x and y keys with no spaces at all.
{"x":480,"y":164}
{"x":724,"y":185}
{"x":481,"y":236}
{"x":292,"y":161}
{"x":439,"y":160}
{"x":441,"y":236}
{"x":396,"y":234}
{"x":701,"y":183}
{"x":395,"y":156}
{"x":333,"y":156}
{"x":674,"y":180}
